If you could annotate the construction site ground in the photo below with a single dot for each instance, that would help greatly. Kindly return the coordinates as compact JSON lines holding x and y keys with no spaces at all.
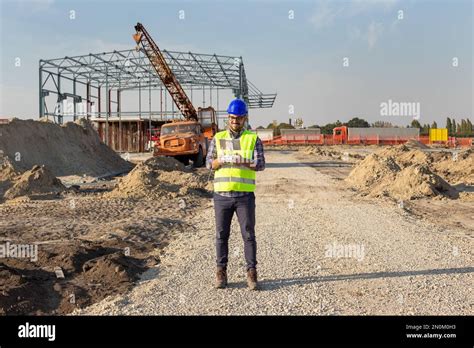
{"x":154,"y":254}
{"x":101,"y":245}
{"x":413,"y":262}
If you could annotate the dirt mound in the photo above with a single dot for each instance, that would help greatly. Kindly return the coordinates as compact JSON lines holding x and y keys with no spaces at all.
{"x":415,"y":144}
{"x":406,"y":156}
{"x":159,"y":177}
{"x":37,"y":181}
{"x":393,"y":151}
{"x":398,"y":173}
{"x":311,"y":150}
{"x":73,"y":148}
{"x":413,"y":157}
{"x":453,"y":168}
{"x":415,"y":181}
{"x":457,"y":169}
{"x":165,"y":163}
{"x":333,"y":153}
{"x":321,"y":151}
{"x":8,"y":171}
{"x":293,"y":147}
{"x":372,"y":170}
{"x":420,"y":173}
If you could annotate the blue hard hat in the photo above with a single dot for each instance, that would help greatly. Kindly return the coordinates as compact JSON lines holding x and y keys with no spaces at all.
{"x":237,"y":107}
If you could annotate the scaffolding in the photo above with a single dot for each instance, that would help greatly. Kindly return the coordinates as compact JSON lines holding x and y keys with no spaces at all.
{"x":109,"y":74}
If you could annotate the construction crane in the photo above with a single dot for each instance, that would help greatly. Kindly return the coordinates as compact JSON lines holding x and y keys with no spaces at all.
{"x":185,"y":140}
{"x":152,"y":51}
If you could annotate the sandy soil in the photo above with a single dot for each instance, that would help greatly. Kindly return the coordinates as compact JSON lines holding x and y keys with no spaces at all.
{"x":101,"y":244}
{"x":70,"y":149}
{"x":322,"y":249}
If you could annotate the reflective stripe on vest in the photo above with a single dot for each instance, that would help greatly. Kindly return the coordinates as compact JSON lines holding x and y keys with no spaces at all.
{"x":245,"y":181}
{"x":232,"y":177}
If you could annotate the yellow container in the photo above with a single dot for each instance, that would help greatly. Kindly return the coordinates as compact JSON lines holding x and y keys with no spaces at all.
{"x":439,"y":134}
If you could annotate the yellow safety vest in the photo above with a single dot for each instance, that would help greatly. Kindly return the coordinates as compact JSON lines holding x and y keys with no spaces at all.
{"x":232,"y":177}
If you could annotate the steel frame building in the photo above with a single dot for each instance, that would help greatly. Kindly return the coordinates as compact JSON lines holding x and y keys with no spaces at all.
{"x":109,"y":74}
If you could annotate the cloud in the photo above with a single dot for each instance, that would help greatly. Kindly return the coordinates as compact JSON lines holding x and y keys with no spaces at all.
{"x":99,"y":45}
{"x":374,"y":32}
{"x":327,"y":13}
{"x":364,"y":6}
{"x":371,"y":35}
{"x":34,"y":6}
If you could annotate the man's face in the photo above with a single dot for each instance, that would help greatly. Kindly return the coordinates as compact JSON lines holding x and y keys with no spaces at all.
{"x":236,"y":123}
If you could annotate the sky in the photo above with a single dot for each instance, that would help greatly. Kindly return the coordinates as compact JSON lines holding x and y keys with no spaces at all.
{"x":326,"y":60}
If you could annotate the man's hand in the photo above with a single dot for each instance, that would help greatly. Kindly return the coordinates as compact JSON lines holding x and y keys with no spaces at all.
{"x":248,"y":165}
{"x":216,"y":164}
{"x":242,"y":162}
{"x":237,"y":161}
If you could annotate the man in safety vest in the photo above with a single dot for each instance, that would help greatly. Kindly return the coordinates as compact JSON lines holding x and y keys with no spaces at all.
{"x":235,"y":154}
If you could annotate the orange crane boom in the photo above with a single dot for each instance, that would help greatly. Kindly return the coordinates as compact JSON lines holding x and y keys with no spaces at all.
{"x":163,"y":70}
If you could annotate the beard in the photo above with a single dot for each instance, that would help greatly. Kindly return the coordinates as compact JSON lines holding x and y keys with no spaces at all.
{"x":236,"y":127}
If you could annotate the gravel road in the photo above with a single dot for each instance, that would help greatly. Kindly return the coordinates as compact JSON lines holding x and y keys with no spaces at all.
{"x":321,"y":250}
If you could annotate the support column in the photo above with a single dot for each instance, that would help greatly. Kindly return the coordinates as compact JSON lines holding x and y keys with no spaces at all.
{"x":88,"y":99}
{"x":240,"y":79}
{"x":166,"y":102}
{"x":99,"y":100}
{"x":217,"y":110}
{"x":41,"y":96}
{"x":149,"y":109}
{"x":109,"y":114}
{"x":60,"y":115}
{"x":139,"y":100}
{"x":120,"y":120}
{"x":74,"y":116}
{"x":107,"y":105}
{"x":139,"y":135}
{"x":161,"y":102}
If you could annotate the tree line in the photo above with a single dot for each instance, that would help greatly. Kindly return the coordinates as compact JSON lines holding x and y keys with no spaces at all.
{"x":462,"y":128}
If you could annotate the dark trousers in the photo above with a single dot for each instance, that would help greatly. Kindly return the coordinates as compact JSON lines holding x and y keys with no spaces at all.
{"x":224,"y":208}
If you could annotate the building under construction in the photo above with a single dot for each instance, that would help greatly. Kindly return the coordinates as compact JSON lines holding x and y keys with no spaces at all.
{"x":94,"y":86}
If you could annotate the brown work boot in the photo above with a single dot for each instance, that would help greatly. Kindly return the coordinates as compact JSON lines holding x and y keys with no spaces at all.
{"x":252,"y":279}
{"x":221,"y":276}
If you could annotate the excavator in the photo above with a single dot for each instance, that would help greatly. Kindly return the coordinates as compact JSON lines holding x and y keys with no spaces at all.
{"x":186,"y":139}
